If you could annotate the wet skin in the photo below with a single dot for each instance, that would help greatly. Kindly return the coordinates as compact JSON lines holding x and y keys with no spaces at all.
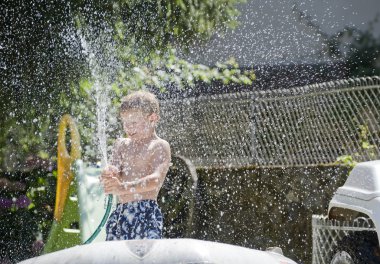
{"x":140,"y":162}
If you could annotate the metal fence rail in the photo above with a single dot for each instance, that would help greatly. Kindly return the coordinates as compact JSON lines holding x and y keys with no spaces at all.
{"x":306,"y":125}
{"x":327,"y":233}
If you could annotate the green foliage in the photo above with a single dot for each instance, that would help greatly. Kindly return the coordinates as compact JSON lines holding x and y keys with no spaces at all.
{"x":41,"y":192}
{"x":23,"y":137}
{"x":158,"y":23}
{"x":21,"y":227}
{"x":366,"y":147}
{"x":169,"y":70}
{"x":146,"y":31}
{"x":346,"y":160}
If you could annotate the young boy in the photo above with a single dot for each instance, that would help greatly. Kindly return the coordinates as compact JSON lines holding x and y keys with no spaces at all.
{"x":137,"y":170}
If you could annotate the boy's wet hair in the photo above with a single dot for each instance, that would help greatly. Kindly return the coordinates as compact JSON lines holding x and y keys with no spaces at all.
{"x":140,"y":100}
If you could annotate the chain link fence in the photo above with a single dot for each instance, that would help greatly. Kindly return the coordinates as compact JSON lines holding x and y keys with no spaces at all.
{"x":301,"y":126}
{"x":327,"y":234}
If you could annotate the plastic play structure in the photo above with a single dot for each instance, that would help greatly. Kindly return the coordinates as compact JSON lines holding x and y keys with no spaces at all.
{"x":79,"y":197}
{"x":65,"y":229}
{"x":77,"y":235}
{"x":351,"y":231}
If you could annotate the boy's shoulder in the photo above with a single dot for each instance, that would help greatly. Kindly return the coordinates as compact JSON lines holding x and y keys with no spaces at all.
{"x":155,"y":144}
{"x":159,"y":143}
{"x":119,"y":142}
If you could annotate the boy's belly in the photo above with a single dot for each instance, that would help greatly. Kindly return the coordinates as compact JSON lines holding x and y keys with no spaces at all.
{"x":150,"y":195}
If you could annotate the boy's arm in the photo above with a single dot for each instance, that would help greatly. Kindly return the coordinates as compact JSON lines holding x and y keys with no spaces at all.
{"x":115,"y":158}
{"x":114,"y":165}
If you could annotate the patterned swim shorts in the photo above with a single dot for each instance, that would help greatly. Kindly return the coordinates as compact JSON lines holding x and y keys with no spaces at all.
{"x":135,"y":220}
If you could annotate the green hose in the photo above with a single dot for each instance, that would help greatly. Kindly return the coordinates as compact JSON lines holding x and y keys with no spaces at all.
{"x":102,"y":223}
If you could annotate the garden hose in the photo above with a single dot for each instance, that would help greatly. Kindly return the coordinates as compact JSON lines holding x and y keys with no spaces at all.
{"x":102,"y":223}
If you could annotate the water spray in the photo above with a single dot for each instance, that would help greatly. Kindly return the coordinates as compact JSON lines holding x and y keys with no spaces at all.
{"x":101,"y":113}
{"x":101,"y":88}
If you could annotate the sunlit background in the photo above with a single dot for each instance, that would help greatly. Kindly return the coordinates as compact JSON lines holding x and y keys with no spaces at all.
{"x":205,"y":60}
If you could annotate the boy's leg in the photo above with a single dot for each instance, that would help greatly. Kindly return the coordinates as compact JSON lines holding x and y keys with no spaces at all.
{"x":154,"y":221}
{"x":129,"y":219}
{"x":141,"y":220}
{"x":113,"y":228}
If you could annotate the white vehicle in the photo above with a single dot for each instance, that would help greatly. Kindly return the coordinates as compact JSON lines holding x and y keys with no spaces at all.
{"x":350,"y":233}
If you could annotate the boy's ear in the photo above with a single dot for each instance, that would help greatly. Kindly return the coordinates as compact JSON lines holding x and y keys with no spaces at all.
{"x":154,"y":117}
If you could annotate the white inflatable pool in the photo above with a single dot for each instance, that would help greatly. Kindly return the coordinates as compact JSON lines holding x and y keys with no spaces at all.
{"x":161,"y":251}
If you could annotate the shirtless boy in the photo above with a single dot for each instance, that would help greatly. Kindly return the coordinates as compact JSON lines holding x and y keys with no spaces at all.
{"x":137,"y":170}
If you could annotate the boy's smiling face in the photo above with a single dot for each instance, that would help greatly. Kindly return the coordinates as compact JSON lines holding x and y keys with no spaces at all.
{"x":137,"y":124}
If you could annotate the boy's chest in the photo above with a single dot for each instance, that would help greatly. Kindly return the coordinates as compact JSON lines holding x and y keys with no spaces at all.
{"x":136,"y":161}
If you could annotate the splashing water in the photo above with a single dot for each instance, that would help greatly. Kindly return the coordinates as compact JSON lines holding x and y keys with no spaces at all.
{"x":101,"y":87}
{"x":102,"y":102}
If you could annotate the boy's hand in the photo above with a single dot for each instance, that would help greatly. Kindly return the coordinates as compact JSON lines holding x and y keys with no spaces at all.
{"x":109,"y":172}
{"x":112,"y":185}
{"x":109,"y":179}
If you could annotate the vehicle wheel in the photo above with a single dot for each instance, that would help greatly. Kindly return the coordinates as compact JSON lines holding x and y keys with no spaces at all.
{"x":358,"y":248}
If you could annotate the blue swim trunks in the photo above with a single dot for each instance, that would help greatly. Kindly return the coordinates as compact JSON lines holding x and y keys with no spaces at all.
{"x":135,"y":220}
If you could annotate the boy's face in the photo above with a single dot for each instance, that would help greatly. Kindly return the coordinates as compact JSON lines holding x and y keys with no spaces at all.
{"x":137,"y":124}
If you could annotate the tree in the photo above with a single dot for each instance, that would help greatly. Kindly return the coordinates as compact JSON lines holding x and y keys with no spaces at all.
{"x":45,"y":73}
{"x":359,"y":49}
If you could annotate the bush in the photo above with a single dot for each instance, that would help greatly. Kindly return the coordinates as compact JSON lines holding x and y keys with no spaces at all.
{"x":26,"y":214}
